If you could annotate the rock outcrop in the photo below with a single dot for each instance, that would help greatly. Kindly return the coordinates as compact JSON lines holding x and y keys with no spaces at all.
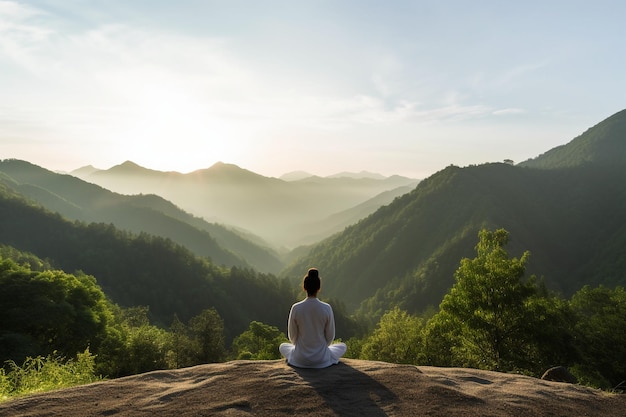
{"x":352,"y":388}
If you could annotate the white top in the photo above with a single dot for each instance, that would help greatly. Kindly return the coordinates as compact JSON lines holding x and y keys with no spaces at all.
{"x":311,"y":329}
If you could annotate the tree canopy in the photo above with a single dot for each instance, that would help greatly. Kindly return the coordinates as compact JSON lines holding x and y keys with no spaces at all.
{"x":49,"y":310}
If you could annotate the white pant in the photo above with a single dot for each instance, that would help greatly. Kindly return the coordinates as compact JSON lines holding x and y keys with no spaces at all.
{"x":336,"y":350}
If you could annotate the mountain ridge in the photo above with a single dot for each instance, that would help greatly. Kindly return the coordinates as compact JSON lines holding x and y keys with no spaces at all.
{"x":131,"y":166}
{"x":405,"y":253}
{"x":268,"y":207}
{"x":83,"y":201}
{"x":603,"y":143}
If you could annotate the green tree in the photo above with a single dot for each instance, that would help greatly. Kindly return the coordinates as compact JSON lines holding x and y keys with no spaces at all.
{"x":483,"y":319}
{"x":182,"y":345}
{"x":600,"y":335}
{"x":355,"y":347}
{"x":133,"y":345}
{"x":396,"y":339}
{"x":148,"y":349}
{"x":260,"y":341}
{"x":207,"y":333}
{"x":48,"y":311}
{"x":549,"y":340}
{"x":441,"y":335}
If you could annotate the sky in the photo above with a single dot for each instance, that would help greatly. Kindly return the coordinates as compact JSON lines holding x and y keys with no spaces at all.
{"x":323,"y":86}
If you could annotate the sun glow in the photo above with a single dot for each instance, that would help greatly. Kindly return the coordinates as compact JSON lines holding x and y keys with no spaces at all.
{"x":166,"y":128}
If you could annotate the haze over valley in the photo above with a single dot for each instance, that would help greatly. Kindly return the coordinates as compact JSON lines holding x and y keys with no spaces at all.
{"x":285,"y":214}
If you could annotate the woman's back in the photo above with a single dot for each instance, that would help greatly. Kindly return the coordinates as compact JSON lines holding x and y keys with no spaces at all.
{"x":311,"y":330}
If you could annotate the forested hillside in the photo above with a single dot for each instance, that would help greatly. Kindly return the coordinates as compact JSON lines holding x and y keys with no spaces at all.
{"x":570,"y":217}
{"x":144,"y":270}
{"x":603,"y":144}
{"x":76,"y":199}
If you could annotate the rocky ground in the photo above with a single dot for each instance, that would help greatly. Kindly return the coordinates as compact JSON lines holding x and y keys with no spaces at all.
{"x":352,"y":388}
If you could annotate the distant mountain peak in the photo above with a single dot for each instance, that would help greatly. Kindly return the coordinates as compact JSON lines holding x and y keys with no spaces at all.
{"x":225,"y":165}
{"x":84,"y":171}
{"x":222,"y":171}
{"x":295,"y":176}
{"x":128,"y":162}
{"x":130,"y":167}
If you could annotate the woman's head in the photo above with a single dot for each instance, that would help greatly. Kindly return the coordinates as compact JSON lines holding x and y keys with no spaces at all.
{"x":312,"y":282}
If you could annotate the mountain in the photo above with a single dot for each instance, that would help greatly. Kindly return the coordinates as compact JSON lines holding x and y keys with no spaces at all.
{"x":295,"y":176}
{"x":131,"y":168}
{"x":143,"y":270}
{"x":86,"y":170}
{"x":566,"y":207}
{"x":603,"y":144}
{"x":76,"y":199}
{"x":279,"y":211}
{"x":300,"y":175}
{"x":337,"y":222}
{"x":356,"y":175}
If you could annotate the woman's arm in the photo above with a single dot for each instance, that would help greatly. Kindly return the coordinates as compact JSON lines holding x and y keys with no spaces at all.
{"x":329,"y":331}
{"x":292,"y":327}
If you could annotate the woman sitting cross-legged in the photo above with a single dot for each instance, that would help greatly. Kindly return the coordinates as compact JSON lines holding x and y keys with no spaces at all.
{"x":311,"y":330}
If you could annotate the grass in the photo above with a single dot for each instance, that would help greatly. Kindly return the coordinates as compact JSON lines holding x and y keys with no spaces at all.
{"x":45,"y":374}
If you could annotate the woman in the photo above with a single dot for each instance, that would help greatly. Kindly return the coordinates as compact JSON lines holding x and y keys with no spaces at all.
{"x":311,"y":330}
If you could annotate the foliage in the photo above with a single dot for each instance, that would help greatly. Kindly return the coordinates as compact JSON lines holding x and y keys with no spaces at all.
{"x":46,"y":373}
{"x":486,"y":305}
{"x":549,"y":335}
{"x":49,"y":311}
{"x":397,"y":339}
{"x":145,"y":270}
{"x":354,"y":347}
{"x":253,"y":296}
{"x":346,"y":324}
{"x":132,"y":345}
{"x":135,"y":346}
{"x":183,"y":351}
{"x":492,"y":319}
{"x":199,"y":341}
{"x":28,"y":260}
{"x":207,"y":333}
{"x":147,"y":349}
{"x":260,"y":341}
{"x":600,"y":335}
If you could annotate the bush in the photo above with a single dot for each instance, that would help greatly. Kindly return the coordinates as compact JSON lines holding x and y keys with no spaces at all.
{"x":259,"y":342}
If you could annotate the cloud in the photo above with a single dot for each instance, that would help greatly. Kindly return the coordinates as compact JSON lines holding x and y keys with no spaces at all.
{"x":20,"y":38}
{"x":509,"y":111}
{"x":139,"y":74}
{"x":124,"y":87}
{"x":11,"y":12}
